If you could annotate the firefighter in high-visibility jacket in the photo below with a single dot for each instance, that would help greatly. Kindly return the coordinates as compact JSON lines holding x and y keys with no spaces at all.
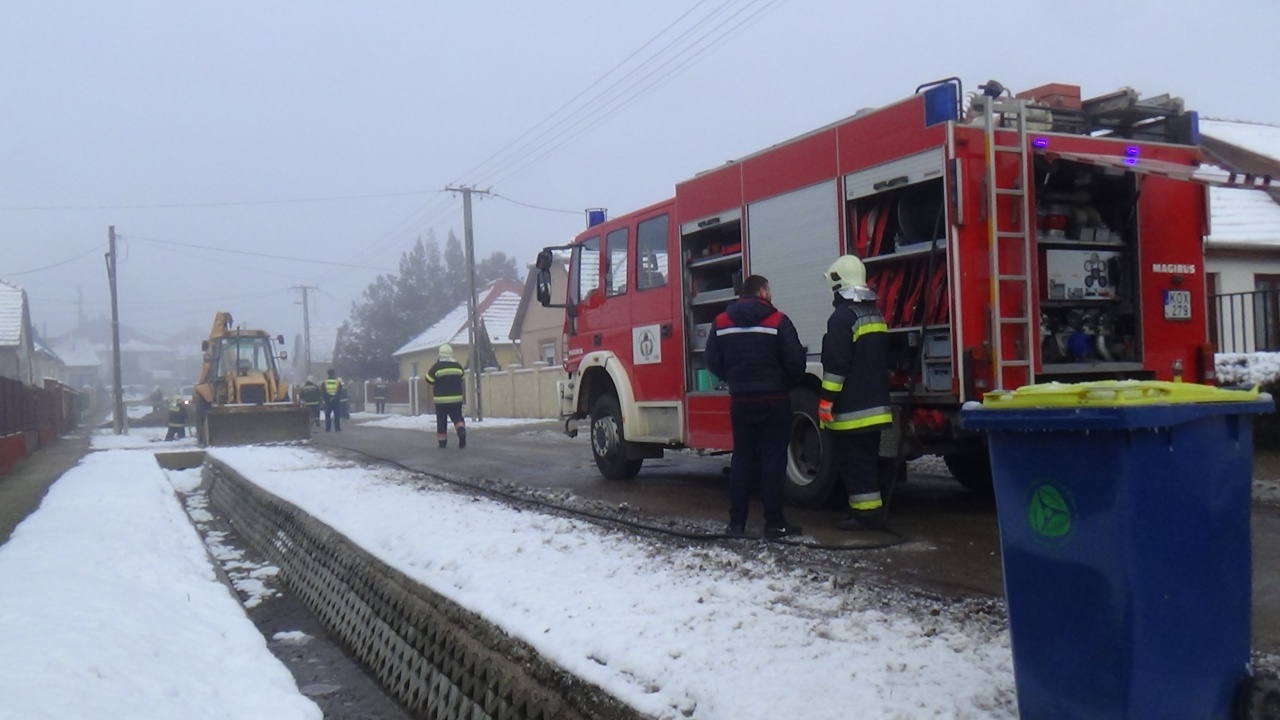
{"x":331,"y":389}
{"x":177,"y":419}
{"x":854,"y":402}
{"x":309,"y":394}
{"x":448,"y":392}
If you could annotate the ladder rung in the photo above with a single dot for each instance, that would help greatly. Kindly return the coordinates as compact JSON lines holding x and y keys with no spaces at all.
{"x":1015,"y":363}
{"x":1023,"y":278}
{"x":1009,"y":149}
{"x":1018,"y":192}
{"x":1011,"y":234}
{"x":1015,"y":320}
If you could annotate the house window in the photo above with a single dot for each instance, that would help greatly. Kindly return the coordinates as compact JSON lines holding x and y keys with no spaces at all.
{"x":651,"y":247}
{"x":547,"y":351}
{"x":616,"y":271}
{"x":413,"y":369}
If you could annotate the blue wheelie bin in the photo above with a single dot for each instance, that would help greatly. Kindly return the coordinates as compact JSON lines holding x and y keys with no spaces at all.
{"x":1124,"y":530}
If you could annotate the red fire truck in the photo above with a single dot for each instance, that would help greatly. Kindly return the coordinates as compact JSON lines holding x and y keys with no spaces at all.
{"x":1011,"y":240}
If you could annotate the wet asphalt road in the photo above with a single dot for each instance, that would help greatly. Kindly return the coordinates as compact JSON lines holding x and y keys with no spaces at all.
{"x":951,"y":541}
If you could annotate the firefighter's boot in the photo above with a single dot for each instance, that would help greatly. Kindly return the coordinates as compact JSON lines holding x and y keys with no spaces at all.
{"x":462,"y":437}
{"x":858,"y":520}
{"x":443,"y":440}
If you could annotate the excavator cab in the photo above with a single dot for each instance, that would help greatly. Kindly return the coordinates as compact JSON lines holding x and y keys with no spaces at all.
{"x":241,"y":398}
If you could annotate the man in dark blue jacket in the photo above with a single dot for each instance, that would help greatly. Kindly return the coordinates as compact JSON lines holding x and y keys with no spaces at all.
{"x":756,"y":350}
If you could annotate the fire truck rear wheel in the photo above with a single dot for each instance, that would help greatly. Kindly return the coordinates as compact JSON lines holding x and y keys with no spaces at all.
{"x":972,"y":469}
{"x":811,"y":479}
{"x":607,"y":444}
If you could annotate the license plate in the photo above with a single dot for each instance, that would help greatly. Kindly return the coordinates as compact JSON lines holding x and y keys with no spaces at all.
{"x":1177,"y":304}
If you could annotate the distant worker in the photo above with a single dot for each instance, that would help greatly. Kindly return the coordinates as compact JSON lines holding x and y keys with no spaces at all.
{"x":331,"y":391}
{"x":756,"y":350}
{"x":309,"y":395}
{"x":177,"y":419}
{"x":448,"y":392}
{"x":344,"y":402}
{"x":380,"y":395}
{"x":854,"y":402}
{"x":157,"y":399}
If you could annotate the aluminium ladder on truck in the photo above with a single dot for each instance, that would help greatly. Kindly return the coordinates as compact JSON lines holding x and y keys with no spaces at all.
{"x":1010,"y":237}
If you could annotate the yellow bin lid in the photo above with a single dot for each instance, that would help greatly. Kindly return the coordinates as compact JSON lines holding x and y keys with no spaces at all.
{"x":1112,"y":393}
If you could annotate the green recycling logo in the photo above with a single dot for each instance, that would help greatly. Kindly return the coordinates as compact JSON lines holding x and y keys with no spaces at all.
{"x":1050,"y":513}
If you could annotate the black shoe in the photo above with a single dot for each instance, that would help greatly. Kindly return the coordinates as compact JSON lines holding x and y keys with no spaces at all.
{"x":784,"y":530}
{"x":735,"y":530}
{"x":444,"y":443}
{"x":462,"y":438}
{"x":859,"y":520}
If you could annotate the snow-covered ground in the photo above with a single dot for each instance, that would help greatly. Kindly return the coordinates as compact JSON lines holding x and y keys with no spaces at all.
{"x":1247,"y":368}
{"x":109,"y":605}
{"x":110,"y":608}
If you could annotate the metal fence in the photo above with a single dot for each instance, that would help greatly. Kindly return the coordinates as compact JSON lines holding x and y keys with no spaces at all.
{"x":1245,"y":322}
{"x":23,"y":407}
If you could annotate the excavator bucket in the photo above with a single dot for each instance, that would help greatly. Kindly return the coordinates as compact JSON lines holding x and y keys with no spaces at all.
{"x":256,"y":424}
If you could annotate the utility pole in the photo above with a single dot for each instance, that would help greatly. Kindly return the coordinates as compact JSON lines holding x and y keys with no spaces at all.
{"x":473,"y":332}
{"x":306,"y":329}
{"x":118,"y":423}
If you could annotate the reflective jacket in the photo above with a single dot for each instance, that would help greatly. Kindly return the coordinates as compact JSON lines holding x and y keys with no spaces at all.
{"x":380,"y":391}
{"x":755,"y":349}
{"x":177,"y":414}
{"x":855,"y":367}
{"x":446,"y":378}
{"x":309,"y":393}
{"x":331,"y":388}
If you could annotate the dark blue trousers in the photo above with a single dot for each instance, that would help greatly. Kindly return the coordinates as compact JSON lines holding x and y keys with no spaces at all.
{"x":761,"y":433}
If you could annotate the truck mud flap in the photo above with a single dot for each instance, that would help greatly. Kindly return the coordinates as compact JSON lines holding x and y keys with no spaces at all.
{"x":252,"y":425}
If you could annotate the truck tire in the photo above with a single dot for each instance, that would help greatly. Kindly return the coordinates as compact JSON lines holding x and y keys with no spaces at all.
{"x":1258,"y":698}
{"x":972,"y":469}
{"x":607,"y":445}
{"x":811,"y":478}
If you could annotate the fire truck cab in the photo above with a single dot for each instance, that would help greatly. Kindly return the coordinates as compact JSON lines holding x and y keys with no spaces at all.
{"x":1010,"y":239}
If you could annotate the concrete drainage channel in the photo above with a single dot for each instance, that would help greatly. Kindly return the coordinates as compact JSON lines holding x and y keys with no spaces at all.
{"x":436,"y":657}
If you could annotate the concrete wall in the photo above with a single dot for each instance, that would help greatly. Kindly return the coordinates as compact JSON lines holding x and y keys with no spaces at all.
{"x":522,"y":392}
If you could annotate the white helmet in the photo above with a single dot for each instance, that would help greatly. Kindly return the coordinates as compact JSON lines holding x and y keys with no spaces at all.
{"x":846,"y":272}
{"x":446,"y":350}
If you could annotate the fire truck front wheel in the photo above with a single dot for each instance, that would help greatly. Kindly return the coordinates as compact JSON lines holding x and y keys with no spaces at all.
{"x":607,"y":444}
{"x":811,"y":480}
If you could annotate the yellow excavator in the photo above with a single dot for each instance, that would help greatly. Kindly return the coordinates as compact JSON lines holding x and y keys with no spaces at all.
{"x":240,"y":398}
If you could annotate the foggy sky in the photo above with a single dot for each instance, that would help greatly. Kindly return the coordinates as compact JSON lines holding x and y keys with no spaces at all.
{"x":327,"y":131}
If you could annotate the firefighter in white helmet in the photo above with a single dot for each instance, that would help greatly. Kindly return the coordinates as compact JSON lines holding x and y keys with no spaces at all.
{"x":854,"y":402}
{"x":448,"y":390}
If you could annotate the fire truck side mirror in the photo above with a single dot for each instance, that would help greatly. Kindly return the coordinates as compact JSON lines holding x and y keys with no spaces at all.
{"x":544,"y":260}
{"x":544,"y":286}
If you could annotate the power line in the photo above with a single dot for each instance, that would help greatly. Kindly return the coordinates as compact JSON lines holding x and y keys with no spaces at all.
{"x":227,"y":203}
{"x":570,"y":101}
{"x":95,"y":248}
{"x":256,"y":254}
{"x":535,"y":207}
{"x":622,"y":90}
{"x":646,"y":83}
